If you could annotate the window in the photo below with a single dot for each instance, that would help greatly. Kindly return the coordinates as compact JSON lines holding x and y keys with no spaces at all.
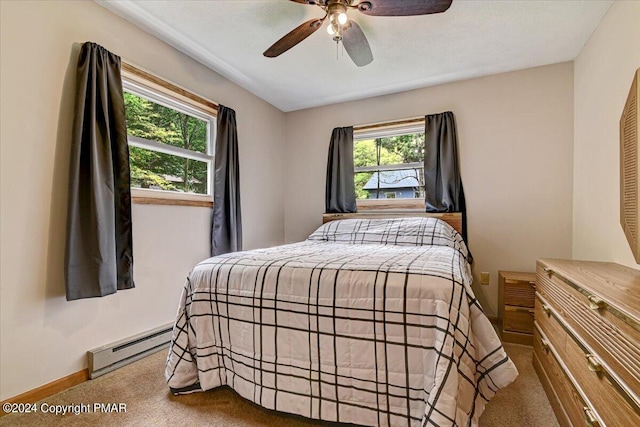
{"x":389,"y":163}
{"x":170,"y":138}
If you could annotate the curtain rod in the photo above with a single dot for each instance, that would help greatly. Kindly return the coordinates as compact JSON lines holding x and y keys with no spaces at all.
{"x":394,"y":123}
{"x":132,"y":69}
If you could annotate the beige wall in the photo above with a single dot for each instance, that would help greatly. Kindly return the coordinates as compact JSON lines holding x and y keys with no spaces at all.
{"x":516,"y":147}
{"x":44,"y":337}
{"x":539,"y":156}
{"x":603,"y":73}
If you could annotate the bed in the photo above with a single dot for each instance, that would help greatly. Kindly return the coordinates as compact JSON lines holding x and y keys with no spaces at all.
{"x":368,"y":321}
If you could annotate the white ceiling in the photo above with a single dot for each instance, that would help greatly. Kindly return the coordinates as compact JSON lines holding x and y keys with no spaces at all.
{"x":473,"y":38}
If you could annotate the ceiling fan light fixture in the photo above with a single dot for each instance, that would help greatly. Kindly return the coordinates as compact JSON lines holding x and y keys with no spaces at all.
{"x":341,"y":28}
{"x":337,"y":12}
{"x":336,"y":18}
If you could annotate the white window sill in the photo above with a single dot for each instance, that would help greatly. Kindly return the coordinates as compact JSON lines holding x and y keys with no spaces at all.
{"x":143,"y":196}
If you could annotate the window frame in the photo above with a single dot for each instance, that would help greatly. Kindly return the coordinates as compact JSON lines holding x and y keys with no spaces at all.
{"x":162,"y":92}
{"x":381,"y":130}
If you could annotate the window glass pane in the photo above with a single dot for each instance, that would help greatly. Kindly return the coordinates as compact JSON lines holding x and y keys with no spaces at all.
{"x":390,"y":184}
{"x":159,"y":171}
{"x":146,"y":119}
{"x":387,"y":183}
{"x":391,"y":150}
{"x":360,"y":180}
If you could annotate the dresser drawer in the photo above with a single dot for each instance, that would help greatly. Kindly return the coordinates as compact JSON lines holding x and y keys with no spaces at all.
{"x":546,"y":320}
{"x":608,"y":398}
{"x":548,"y":280}
{"x":519,"y":292}
{"x":616,"y":341}
{"x":550,"y":289}
{"x":569,"y":398}
{"x":518,"y":319}
{"x":588,"y":314}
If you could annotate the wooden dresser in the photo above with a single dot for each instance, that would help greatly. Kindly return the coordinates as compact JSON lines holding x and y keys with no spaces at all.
{"x":587,"y":341}
{"x":516,"y":296}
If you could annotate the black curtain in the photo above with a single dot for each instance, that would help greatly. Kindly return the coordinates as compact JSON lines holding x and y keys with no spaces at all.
{"x":99,"y":251}
{"x":226,"y":227}
{"x":340,"y":195}
{"x":443,"y":185}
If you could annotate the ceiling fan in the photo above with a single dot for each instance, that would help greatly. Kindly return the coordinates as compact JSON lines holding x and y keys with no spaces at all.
{"x":344,"y":29}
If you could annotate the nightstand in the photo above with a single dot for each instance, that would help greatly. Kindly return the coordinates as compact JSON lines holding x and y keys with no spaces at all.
{"x":516,"y":298}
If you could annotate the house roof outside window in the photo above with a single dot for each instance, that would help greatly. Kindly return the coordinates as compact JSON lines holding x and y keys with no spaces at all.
{"x":404,"y":178}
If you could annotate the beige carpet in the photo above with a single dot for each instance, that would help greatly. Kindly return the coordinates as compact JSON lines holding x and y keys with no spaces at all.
{"x":141,"y":386}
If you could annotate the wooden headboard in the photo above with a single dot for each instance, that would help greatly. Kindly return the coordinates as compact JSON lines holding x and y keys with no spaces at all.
{"x":454,"y":219}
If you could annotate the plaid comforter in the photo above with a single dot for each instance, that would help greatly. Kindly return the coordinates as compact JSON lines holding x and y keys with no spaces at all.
{"x":369,"y":322}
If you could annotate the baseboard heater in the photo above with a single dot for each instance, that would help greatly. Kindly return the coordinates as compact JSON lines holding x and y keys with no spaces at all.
{"x":118,"y":354}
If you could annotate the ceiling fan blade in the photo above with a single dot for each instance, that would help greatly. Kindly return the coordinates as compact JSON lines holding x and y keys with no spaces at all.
{"x":356,"y":44}
{"x":310,"y":2}
{"x":402,"y":8}
{"x":294,"y":37}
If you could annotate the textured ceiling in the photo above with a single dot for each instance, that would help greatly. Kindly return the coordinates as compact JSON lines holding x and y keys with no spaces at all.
{"x":473,"y":38}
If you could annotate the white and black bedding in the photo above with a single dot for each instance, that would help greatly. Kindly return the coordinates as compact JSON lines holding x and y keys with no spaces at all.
{"x":370,"y":322}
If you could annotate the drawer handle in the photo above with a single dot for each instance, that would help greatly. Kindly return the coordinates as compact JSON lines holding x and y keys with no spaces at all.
{"x":548,"y":271}
{"x":593,"y":363}
{"x":545,"y":344}
{"x":547,"y":309}
{"x":595,"y":303}
{"x":591,"y":419}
